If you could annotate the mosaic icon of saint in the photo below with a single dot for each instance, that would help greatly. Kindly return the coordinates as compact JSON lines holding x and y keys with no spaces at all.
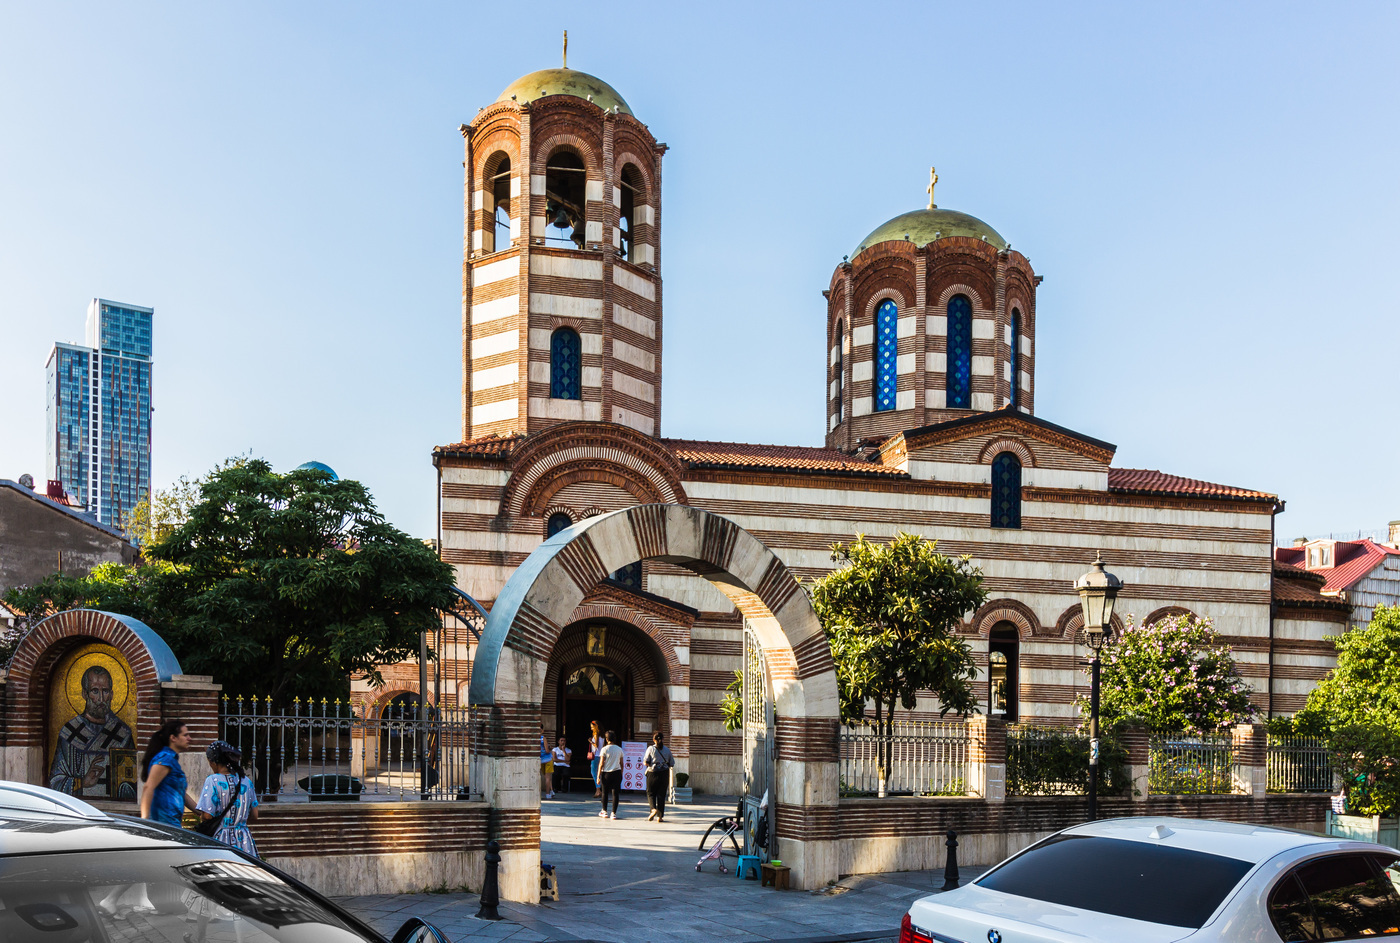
{"x":82,"y":759}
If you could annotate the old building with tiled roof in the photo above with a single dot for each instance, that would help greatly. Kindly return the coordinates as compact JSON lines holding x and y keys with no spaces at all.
{"x":930,"y":428}
{"x":1363,"y":573}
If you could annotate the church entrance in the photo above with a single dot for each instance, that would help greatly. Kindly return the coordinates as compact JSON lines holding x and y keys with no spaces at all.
{"x":607,"y":671}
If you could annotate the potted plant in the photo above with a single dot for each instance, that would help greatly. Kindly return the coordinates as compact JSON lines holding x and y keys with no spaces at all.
{"x":679,"y":791}
{"x":1368,"y":759}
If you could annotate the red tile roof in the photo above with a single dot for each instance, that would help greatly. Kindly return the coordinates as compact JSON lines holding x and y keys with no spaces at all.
{"x":1294,"y":586}
{"x":1151,"y":481}
{"x":491,"y":446}
{"x":774,"y":458}
{"x":1355,"y":559}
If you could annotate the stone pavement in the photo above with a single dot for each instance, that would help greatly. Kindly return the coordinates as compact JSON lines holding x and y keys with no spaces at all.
{"x":633,"y":881}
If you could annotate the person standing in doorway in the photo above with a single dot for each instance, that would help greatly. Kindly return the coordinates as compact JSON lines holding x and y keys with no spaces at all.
{"x":658,"y":762}
{"x":546,"y":768}
{"x":610,"y":774}
{"x":563,"y":756}
{"x":166,"y":798}
{"x":595,"y":746}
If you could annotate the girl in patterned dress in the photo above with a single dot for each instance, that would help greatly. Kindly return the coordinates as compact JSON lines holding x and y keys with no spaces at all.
{"x":226,"y":761}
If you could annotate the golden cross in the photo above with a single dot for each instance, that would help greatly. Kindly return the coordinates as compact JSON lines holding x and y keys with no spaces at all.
{"x":566,"y":49}
{"x":932,"y":180}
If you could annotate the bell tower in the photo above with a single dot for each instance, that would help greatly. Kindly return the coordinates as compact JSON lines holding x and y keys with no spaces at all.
{"x":561,"y":283}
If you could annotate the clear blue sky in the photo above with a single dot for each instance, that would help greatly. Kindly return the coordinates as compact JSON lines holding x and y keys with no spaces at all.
{"x":1209,"y":189}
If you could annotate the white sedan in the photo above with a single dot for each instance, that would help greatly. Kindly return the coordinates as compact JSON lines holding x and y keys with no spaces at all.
{"x":1155,"y":880}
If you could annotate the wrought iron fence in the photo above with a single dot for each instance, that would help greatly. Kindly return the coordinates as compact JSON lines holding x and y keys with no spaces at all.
{"x":925,"y":758}
{"x":339,"y":751}
{"x":1299,"y":764}
{"x":1191,"y":765}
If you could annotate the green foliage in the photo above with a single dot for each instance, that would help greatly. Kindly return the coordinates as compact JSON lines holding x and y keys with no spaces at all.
{"x":953,"y":787}
{"x":731,"y":706}
{"x":1185,"y":770}
{"x":890,"y":614}
{"x":682,"y":779}
{"x":1054,"y":761}
{"x":278,"y":585}
{"x":1357,"y":706}
{"x":1368,"y":756}
{"x":1174,"y":676}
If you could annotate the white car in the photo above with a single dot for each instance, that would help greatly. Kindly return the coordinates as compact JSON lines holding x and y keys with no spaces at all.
{"x":1154,"y":880}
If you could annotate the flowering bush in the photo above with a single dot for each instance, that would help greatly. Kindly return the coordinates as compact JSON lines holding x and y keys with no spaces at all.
{"x":1174,"y":676}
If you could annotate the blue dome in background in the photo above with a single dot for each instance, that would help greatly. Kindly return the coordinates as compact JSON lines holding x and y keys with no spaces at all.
{"x":318,"y":466}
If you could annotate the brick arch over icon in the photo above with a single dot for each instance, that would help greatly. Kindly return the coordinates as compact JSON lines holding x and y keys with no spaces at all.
{"x":151,"y":660}
{"x":1070,"y":625}
{"x":540,"y":599}
{"x":1006,"y":610}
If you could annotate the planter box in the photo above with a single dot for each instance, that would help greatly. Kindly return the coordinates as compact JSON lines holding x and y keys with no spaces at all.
{"x":1384,"y":830}
{"x":680,"y":794}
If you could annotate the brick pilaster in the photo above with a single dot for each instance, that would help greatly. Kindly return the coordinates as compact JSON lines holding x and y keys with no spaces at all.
{"x":986,"y":757}
{"x":1250,"y":743}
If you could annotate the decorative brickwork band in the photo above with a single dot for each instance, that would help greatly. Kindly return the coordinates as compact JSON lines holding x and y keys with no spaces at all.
{"x":807,"y":739}
{"x":515,"y":828}
{"x":581,"y":561}
{"x":534,"y":633}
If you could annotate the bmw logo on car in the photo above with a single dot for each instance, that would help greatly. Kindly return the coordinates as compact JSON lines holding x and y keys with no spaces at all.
{"x":993,"y":936}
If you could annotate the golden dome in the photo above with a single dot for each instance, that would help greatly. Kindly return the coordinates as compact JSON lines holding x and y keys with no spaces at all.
{"x":545,"y":82}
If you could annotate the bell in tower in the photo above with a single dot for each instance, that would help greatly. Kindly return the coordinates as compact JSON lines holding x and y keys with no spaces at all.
{"x":561,"y":284}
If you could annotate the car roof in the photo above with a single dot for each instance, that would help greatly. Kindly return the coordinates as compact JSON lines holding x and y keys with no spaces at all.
{"x":36,"y":820}
{"x":1236,"y":840}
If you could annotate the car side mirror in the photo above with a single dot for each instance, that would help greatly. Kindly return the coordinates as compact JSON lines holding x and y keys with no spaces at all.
{"x":416,"y":930}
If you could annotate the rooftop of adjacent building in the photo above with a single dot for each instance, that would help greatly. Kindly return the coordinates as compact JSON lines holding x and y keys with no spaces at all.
{"x":73,"y":512}
{"x":1348,"y":561}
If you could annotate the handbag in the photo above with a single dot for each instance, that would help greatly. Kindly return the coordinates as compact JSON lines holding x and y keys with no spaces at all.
{"x":210,"y":827}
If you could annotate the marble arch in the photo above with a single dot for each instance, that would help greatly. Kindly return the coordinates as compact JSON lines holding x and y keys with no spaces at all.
{"x":540,"y":599}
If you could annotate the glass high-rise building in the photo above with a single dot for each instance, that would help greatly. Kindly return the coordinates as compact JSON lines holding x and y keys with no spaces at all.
{"x":99,"y":412}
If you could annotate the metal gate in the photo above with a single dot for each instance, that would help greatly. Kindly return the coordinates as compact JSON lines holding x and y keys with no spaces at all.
{"x":759,"y":799}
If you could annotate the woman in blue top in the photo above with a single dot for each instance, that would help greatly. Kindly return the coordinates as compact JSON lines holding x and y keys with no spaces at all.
{"x":165,"y":798}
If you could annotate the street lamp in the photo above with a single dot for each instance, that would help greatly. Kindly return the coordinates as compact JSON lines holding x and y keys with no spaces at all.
{"x":1098,"y":590}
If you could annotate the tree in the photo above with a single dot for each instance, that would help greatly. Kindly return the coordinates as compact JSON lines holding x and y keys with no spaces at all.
{"x":291,"y":583}
{"x":157,"y":515}
{"x":890,"y":613}
{"x":1357,"y":707}
{"x":278,"y":585}
{"x":1174,"y":676}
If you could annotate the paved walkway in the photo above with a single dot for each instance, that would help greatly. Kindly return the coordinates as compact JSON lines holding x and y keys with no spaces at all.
{"x":634,"y":881}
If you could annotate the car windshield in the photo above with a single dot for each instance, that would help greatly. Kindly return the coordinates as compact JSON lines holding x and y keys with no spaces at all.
{"x":162,"y":896}
{"x":1155,"y":883}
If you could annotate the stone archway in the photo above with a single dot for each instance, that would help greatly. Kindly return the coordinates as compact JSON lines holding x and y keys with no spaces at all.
{"x":539,"y":600}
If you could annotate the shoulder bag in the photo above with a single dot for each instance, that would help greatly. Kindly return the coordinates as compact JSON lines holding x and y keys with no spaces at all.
{"x":211,"y":826}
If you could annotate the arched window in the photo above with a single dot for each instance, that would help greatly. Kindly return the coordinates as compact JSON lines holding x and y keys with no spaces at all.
{"x":631,"y":187}
{"x":1015,"y":358}
{"x":564,"y":355}
{"x":1003,"y":672}
{"x":839,"y":366}
{"x":959,"y":353}
{"x":630,"y":575}
{"x":499,"y":186}
{"x":886,"y":354}
{"x":557,"y":522}
{"x":566,"y":203}
{"x":1006,"y":491}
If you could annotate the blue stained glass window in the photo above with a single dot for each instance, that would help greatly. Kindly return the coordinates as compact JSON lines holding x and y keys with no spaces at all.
{"x":959,"y":353}
{"x":1006,"y":491}
{"x":630,"y":575}
{"x":556,"y":523}
{"x":564,"y":368}
{"x":886,"y":354}
{"x":1015,"y":357}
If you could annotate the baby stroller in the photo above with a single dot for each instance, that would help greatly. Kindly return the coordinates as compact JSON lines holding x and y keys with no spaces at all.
{"x":728,"y":826}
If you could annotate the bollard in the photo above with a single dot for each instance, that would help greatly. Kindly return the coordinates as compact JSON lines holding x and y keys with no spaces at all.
{"x":490,"y":886}
{"x":950,"y":870}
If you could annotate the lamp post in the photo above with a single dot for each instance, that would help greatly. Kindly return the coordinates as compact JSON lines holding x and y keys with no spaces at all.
{"x":1098,"y":590}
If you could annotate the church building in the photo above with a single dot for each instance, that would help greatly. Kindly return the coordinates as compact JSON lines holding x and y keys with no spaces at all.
{"x":931,"y":428}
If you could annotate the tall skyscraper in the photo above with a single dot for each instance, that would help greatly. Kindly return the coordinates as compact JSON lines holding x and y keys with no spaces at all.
{"x":99,"y":412}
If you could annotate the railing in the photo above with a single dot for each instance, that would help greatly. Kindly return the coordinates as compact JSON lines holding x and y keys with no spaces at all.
{"x":328,"y":751}
{"x":1046,"y":761}
{"x":925,"y":758}
{"x":1299,"y":764}
{"x":1191,"y":765}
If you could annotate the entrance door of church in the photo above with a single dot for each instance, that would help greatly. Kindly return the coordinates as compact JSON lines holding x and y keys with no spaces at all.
{"x":589,"y":693}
